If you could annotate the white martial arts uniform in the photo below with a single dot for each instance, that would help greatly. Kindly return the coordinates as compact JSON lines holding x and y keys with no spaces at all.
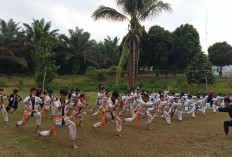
{"x":31,"y":110}
{"x":142,"y":112}
{"x":2,"y":107}
{"x":161,"y":111}
{"x":61,"y":119}
{"x":102,"y":108}
{"x":48,"y":104}
{"x":199,"y":107}
{"x":127,"y":106}
{"x":110,"y":114}
{"x":78,"y":111}
{"x":174,"y":110}
{"x":98,"y":102}
{"x":189,"y":107}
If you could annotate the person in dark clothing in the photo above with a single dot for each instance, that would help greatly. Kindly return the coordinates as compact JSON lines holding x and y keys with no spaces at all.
{"x":228,"y":109}
{"x":71,"y":93}
{"x":101,"y":86}
{"x":13,"y":101}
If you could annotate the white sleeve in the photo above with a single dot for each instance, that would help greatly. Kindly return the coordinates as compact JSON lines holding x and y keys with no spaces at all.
{"x":56,"y":104}
{"x":26,"y":100}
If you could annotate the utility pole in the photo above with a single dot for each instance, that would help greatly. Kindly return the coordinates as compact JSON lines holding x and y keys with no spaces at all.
{"x":206,"y":32}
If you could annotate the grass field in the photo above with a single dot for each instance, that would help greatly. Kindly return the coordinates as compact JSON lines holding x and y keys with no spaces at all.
{"x":201,"y":136}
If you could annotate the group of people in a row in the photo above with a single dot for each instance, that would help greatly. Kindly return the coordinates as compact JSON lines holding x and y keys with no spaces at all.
{"x":139,"y":103}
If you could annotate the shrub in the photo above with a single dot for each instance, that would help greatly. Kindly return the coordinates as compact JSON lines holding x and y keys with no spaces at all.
{"x":101,"y":76}
{"x":21,"y":82}
{"x":2,"y":81}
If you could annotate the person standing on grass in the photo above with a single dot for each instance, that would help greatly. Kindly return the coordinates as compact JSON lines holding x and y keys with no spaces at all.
{"x":13,"y":101}
{"x":62,"y":106}
{"x":228,"y":109}
{"x":31,"y":109}
{"x":49,"y":99}
{"x":3,"y":97}
{"x":110,"y":114}
{"x":143,"y":106}
{"x":101,"y":86}
{"x":71,"y":93}
{"x":98,"y":103}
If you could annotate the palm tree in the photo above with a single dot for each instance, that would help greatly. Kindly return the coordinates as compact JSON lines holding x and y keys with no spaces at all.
{"x":133,"y":11}
{"x":106,"y":49}
{"x":10,"y":41}
{"x":78,"y":48}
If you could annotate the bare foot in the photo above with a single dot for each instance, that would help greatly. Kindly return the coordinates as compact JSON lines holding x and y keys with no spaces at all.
{"x":38,"y":135}
{"x":80,"y":125}
{"x":74,"y":145}
{"x":225,"y":136}
{"x":92,"y":127}
{"x":149,"y":129}
{"x":17,"y":125}
{"x":119,"y":135}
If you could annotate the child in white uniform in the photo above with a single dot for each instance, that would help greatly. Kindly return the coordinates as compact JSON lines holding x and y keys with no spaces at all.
{"x":3,"y":97}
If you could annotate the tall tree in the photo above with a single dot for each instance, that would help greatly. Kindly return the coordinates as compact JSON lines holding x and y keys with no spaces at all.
{"x":43,"y":41}
{"x":11,"y":39}
{"x":199,"y":71}
{"x":133,"y":11}
{"x":187,"y":45}
{"x":220,"y":54}
{"x":78,"y":50}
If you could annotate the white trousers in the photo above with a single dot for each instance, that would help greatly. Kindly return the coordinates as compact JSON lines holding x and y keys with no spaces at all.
{"x":80,"y":115}
{"x":36,"y":115}
{"x":141,"y":115}
{"x":71,"y":127}
{"x":117,"y":120}
{"x":207,"y":106}
{"x":128,"y":108}
{"x":4,"y":113}
{"x":165,"y":115}
{"x":175,"y":112}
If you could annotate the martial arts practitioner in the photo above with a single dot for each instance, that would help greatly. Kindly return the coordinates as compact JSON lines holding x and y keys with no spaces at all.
{"x":71,"y":93}
{"x":32,"y":103}
{"x":162,"y":106}
{"x":142,"y":112}
{"x":228,"y":109}
{"x":127,"y":106}
{"x":13,"y":101}
{"x":110,"y":114}
{"x":189,"y":106}
{"x":174,"y":109}
{"x":101,"y":110}
{"x":77,"y":93}
{"x":49,"y":100}
{"x":62,"y":105}
{"x":199,"y":105}
{"x":3,"y":97}
{"x":210,"y":102}
{"x":40,"y":93}
{"x":98,"y":103}
{"x":166,"y":91}
{"x":79,"y":110}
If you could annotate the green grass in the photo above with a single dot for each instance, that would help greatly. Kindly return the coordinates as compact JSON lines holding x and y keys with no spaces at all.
{"x":192,"y":137}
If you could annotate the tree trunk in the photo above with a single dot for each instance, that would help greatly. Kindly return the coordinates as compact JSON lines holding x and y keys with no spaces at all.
{"x":44,"y":78}
{"x":133,"y":64}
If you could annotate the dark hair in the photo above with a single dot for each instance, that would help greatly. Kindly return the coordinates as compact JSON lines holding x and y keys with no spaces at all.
{"x":64,"y":92}
{"x":115,"y":94}
{"x":106,"y":92}
{"x":175,"y":99}
{"x":77,"y":90}
{"x":198,"y":96}
{"x":40,"y":87}
{"x":50,"y":91}
{"x":190,"y":96}
{"x":72,"y":90}
{"x":146,"y":96}
{"x":227,"y":100}
{"x":82,"y":95}
{"x":15,"y":90}
{"x":32,"y":89}
{"x":161,"y":96}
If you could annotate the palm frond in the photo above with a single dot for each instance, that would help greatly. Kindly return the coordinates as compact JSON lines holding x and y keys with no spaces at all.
{"x":154,"y":8}
{"x":123,"y":60}
{"x":108,"y":13}
{"x":19,"y":60}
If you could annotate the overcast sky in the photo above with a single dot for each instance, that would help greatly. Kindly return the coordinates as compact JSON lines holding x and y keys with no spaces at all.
{"x":67,"y":14}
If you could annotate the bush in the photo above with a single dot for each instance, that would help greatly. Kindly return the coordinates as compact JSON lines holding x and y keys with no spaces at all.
{"x":21,"y":82}
{"x":101,"y":76}
{"x":51,"y":74}
{"x":111,"y":71}
{"x":2,"y":81}
{"x":91,"y":72}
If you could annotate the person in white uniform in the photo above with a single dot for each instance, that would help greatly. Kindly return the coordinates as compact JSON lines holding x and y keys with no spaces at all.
{"x":3,"y":97}
{"x":62,"y":106}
